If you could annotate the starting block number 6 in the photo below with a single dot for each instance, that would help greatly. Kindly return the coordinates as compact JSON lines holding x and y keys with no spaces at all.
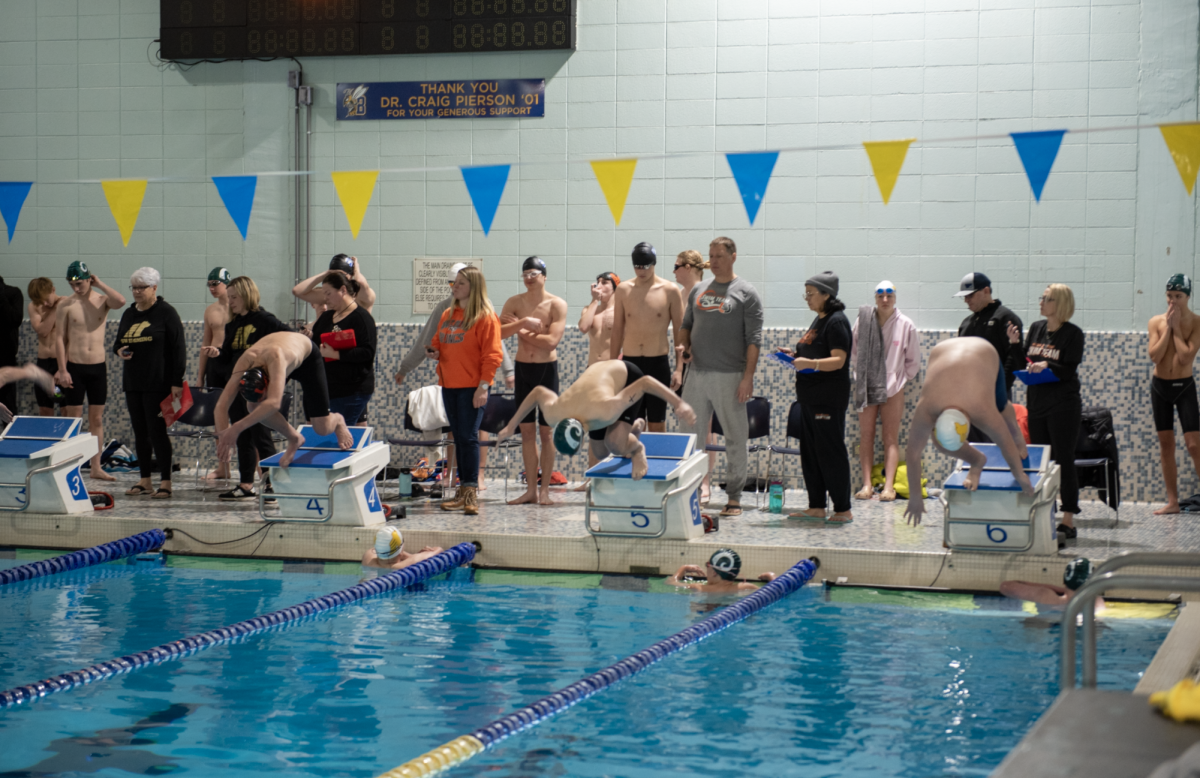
{"x":996,"y":534}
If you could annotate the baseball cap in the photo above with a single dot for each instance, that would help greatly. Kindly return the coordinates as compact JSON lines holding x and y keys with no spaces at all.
{"x":972,"y":283}
{"x":454,"y":270}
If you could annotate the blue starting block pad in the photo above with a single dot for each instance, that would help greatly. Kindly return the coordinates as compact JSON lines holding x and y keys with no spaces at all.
{"x":996,"y":480}
{"x":663,"y":503}
{"x":39,"y":465}
{"x":1038,"y":457}
{"x":997,"y":515}
{"x":326,"y":484}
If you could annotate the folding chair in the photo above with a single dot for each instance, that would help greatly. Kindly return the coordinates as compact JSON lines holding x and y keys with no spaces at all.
{"x":496,"y":414}
{"x":758,"y":412}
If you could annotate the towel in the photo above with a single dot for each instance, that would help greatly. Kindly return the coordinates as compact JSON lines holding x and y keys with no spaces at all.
{"x":870,"y":368}
{"x":426,"y":408}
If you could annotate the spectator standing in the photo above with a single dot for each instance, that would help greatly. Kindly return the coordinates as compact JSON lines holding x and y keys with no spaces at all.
{"x":989,"y":320}
{"x":12,"y":312}
{"x":350,"y":372}
{"x":689,"y":271}
{"x":151,"y":343}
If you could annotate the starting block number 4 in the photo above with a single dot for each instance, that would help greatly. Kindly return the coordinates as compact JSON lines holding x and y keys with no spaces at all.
{"x":372,"y":495}
{"x":315,"y":505}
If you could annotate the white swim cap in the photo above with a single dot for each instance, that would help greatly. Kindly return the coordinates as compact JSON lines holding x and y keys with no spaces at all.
{"x":388,"y":543}
{"x":885,"y":287}
{"x":951,"y":429}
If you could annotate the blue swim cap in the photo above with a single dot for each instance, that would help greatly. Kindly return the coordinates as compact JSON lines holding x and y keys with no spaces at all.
{"x":568,"y":437}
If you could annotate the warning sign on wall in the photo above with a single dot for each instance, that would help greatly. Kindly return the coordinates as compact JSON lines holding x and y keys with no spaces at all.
{"x":431,"y":279}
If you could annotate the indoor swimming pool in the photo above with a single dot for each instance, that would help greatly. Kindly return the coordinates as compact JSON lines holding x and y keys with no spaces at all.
{"x":824,"y":683}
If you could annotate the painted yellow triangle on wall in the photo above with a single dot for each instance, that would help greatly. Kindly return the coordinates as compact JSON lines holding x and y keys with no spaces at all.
{"x":354,"y":188}
{"x":887,"y":157}
{"x":125,"y":202}
{"x":1183,"y":141}
{"x":615,"y":177}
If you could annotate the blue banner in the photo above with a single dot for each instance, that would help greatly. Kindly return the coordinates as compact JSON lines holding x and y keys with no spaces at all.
{"x":505,"y":99}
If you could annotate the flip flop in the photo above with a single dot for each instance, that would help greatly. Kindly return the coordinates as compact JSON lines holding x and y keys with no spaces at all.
{"x":834,"y":520}
{"x":162,"y":494}
{"x":137,"y":490}
{"x":731,"y":510}
{"x":802,"y":516}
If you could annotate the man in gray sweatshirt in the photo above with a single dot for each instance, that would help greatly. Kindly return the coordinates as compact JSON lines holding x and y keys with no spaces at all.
{"x":721,"y":335}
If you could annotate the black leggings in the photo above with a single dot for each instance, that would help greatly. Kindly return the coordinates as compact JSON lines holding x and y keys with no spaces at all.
{"x":824,"y":460}
{"x":1061,"y":431}
{"x":253,"y":444}
{"x":150,"y":432}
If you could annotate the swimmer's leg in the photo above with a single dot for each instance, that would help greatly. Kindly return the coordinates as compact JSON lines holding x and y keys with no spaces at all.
{"x":624,"y":439}
{"x":1166,"y":451}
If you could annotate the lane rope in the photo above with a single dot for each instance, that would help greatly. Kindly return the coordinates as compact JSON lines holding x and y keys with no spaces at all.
{"x":400,"y":579}
{"x":86,"y":557}
{"x":465,"y":747}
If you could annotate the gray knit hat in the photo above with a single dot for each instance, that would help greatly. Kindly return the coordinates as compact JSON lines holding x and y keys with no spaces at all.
{"x":826,"y":282}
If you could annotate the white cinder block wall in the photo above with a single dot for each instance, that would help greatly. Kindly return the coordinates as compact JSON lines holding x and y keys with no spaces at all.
{"x":80,"y":98}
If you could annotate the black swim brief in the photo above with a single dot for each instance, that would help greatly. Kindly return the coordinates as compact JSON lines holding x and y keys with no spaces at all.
{"x":633,"y":412}
{"x":1001,"y":390}
{"x":50,"y":365}
{"x":311,"y":377}
{"x":527,"y":376}
{"x":656,"y":367}
{"x":88,"y":381}
{"x":1177,"y":394}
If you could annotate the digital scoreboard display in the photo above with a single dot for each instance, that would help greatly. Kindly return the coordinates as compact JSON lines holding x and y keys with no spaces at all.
{"x":246,"y":29}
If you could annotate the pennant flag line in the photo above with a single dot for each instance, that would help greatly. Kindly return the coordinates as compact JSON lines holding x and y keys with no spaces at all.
{"x":354,"y":188}
{"x":125,"y":202}
{"x":615,"y":176}
{"x":887,"y":157}
{"x":1037,"y":151}
{"x":752,"y":172}
{"x":237,"y":192}
{"x":12,"y":198}
{"x":1183,"y":141}
{"x":486,"y":185}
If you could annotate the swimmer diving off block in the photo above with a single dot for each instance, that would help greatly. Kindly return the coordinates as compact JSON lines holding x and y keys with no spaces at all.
{"x":31,"y":372}
{"x":964,"y":385}
{"x":605,"y":402}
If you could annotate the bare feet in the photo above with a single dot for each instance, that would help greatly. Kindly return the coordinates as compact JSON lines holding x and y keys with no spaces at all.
{"x":345,"y":439}
{"x":705,"y":492}
{"x":810,"y":513}
{"x":482,"y":486}
{"x":293,"y":446}
{"x":544,"y":496}
{"x":971,"y":482}
{"x":1169,"y":508}
{"x":583,"y":486}
{"x":865,"y":493}
{"x":525,"y":499}
{"x":887,"y":495}
{"x":99,"y":475}
{"x":640,"y":465}
{"x":220,"y":474}
{"x":844,"y":517}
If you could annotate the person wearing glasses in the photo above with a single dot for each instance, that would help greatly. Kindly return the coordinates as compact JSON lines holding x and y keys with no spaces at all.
{"x":689,"y":271}
{"x":79,"y":347}
{"x":886,"y":355}
{"x":1055,"y":409}
{"x":643,"y":309}
{"x":989,"y":320}
{"x":151,"y":343}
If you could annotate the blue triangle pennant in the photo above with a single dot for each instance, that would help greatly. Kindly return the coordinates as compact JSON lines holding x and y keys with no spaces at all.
{"x":752,"y":172}
{"x":12,"y":197}
{"x":237,"y":192}
{"x":485,"y":185}
{"x":1038,"y":150}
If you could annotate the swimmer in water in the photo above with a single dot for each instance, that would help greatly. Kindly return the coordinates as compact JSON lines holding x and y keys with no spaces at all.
{"x":1075,"y":575}
{"x":964,"y":385}
{"x":719,"y":573}
{"x":389,"y":554}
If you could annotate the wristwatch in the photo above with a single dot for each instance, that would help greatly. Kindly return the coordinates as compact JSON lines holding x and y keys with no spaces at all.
{"x":483,"y":384}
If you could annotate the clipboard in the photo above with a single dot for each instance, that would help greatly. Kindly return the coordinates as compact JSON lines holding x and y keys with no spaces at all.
{"x":1033,"y":379}
{"x":339,"y":341}
{"x":172,"y":409}
{"x":787,"y":361}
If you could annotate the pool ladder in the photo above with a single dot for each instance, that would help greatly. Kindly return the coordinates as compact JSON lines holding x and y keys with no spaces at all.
{"x":1102,"y":580}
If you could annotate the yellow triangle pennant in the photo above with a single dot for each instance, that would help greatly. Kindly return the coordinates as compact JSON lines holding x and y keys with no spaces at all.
{"x":1183,"y":141}
{"x":887,"y":157}
{"x":125,"y":202}
{"x":354,"y":188}
{"x":615,"y":177}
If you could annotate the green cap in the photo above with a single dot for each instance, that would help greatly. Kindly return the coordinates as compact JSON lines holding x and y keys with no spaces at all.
{"x":568,"y":437}
{"x":219,"y":274}
{"x":1180,"y":283}
{"x":78,"y":271}
{"x":1076,"y":573}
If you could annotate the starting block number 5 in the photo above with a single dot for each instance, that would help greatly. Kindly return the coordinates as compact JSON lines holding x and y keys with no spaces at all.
{"x":640,"y":520}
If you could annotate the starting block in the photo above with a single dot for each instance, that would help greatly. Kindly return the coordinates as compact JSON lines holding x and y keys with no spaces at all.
{"x":998,"y":516}
{"x":663,"y":504}
{"x":39,"y":465}
{"x":325,"y":484}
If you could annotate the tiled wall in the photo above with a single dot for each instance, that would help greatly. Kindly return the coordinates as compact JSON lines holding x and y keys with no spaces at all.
{"x":1115,"y":373}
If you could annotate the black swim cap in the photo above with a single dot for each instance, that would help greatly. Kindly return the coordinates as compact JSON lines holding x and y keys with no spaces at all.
{"x":342,"y":262}
{"x":727,"y":563}
{"x":610,"y":277}
{"x":253,"y":386}
{"x":533,"y":263}
{"x":1076,"y":573}
{"x":644,"y":254}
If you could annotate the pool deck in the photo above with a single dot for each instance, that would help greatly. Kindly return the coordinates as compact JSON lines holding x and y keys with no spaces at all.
{"x":878,"y":548}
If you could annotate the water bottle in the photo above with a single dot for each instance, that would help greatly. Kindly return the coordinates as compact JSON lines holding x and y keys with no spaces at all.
{"x":776,"y":497}
{"x":406,"y":482}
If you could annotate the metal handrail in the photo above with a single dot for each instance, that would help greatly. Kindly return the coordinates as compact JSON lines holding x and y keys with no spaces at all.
{"x":1083,"y":603}
{"x":366,"y":475}
{"x":1147,"y":559}
{"x":63,"y":465}
{"x":588,"y":507}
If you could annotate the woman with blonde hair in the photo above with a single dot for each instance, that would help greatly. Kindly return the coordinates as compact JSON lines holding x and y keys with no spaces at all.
{"x":689,"y":271}
{"x":467,"y":349}
{"x":1055,"y":409}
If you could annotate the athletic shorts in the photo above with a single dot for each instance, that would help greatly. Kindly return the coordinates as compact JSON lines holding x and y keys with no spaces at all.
{"x":529,"y":375}
{"x":50,"y":365}
{"x":655,"y":367}
{"x":1001,"y":390}
{"x":90,"y":381}
{"x":216,"y":376}
{"x":633,"y":412}
{"x":1168,"y":396}
{"x":311,"y":377}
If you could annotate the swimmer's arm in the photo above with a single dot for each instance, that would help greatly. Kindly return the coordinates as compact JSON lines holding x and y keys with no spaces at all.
{"x":306,"y":289}
{"x":406,"y":559}
{"x":918,"y":435}
{"x":221,"y":411}
{"x":1186,"y":348}
{"x":557,"y":324}
{"x":537,"y":396}
{"x":514,"y":323}
{"x":617,"y":337}
{"x":1042,"y":594}
{"x":652,"y":386}
{"x":43,"y":324}
{"x":113,"y":299}
{"x":588,"y":316}
{"x":1158,"y":339}
{"x":676,"y":579}
{"x":366,"y":295}
{"x":60,"y":337}
{"x":675,"y":298}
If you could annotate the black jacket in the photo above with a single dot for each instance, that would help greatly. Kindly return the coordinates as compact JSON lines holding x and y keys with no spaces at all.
{"x":242,"y":333}
{"x":12,"y":312}
{"x":991,"y":324}
{"x":155,"y":338}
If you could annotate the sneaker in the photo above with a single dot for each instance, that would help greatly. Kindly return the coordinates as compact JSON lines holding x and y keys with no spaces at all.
{"x":238,"y":494}
{"x":269,"y":494}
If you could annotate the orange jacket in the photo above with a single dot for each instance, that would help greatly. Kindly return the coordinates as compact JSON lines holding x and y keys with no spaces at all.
{"x":467,"y":359}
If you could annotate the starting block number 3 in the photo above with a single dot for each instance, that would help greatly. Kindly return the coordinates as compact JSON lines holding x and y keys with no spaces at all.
{"x":75,"y":484}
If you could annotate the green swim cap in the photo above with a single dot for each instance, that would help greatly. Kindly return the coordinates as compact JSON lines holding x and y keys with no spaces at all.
{"x":568,"y":437}
{"x":1180,"y":283}
{"x":1076,"y":573}
{"x":78,"y":271}
{"x":219,"y":274}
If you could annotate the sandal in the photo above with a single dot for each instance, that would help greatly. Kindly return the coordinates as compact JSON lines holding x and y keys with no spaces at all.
{"x":808,"y":515}
{"x":845,"y":518}
{"x":161,"y":494}
{"x":864,"y":493}
{"x":137,"y":490}
{"x":730,"y":510}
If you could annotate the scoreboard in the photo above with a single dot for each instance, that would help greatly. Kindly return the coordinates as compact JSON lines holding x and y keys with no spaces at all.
{"x":250,"y":29}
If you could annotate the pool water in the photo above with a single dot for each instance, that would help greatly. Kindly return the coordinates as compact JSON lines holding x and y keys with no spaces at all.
{"x":839,"y":683}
